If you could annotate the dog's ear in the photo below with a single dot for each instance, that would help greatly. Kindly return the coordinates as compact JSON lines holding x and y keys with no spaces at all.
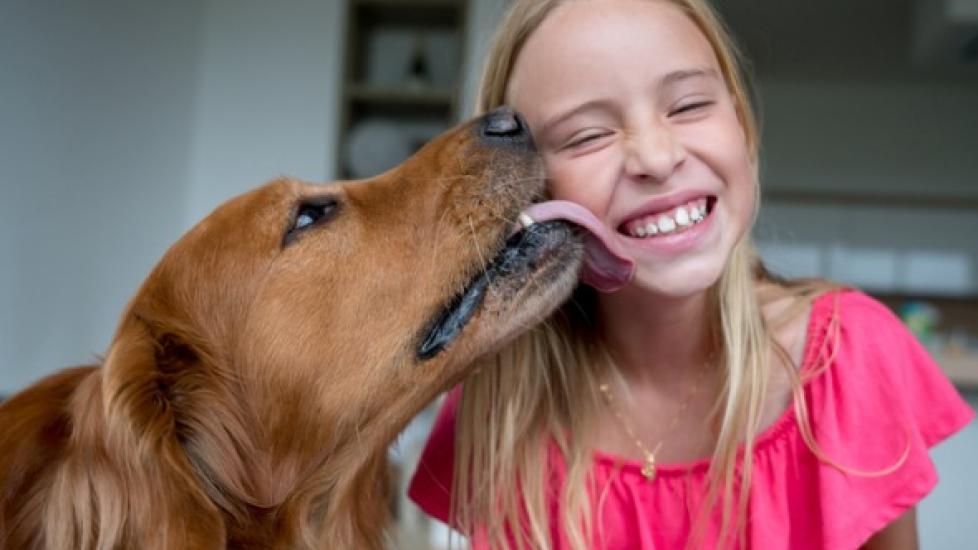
{"x":164,"y":498}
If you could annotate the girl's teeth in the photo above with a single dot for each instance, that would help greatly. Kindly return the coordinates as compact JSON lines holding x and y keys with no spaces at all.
{"x":666,"y":224}
{"x":682,"y":217}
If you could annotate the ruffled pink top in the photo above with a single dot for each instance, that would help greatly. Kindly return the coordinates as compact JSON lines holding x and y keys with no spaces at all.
{"x":881,"y":402}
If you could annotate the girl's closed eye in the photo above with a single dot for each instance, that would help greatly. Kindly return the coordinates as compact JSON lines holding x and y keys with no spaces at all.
{"x":582,"y":139}
{"x":691,"y":107}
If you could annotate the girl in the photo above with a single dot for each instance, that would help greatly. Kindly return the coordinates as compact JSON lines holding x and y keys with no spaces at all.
{"x":706,"y":403}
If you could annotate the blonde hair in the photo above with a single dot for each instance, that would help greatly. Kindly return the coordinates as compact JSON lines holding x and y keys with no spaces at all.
{"x":521,"y":402}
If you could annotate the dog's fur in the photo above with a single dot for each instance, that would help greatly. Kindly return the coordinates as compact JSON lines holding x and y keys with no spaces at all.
{"x":259,"y":374}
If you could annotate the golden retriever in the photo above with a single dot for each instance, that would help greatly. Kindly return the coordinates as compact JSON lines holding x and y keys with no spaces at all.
{"x":260,"y":372}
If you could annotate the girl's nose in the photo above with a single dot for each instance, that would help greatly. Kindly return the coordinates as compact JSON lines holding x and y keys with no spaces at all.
{"x":653,"y":153}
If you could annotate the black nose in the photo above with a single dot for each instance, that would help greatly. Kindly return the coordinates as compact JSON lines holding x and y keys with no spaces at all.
{"x":504,"y":125}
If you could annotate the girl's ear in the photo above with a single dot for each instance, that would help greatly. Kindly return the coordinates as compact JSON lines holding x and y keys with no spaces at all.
{"x":165,"y":504}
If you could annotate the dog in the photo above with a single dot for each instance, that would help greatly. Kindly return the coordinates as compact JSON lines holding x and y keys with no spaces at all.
{"x":260,"y":372}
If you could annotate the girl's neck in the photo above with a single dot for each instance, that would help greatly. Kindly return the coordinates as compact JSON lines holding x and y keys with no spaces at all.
{"x":654,"y":339}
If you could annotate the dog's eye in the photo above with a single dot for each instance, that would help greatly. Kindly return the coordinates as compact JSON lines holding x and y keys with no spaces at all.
{"x":310,"y":213}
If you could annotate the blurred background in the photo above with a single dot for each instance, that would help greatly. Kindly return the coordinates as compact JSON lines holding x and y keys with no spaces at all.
{"x":122,"y":122}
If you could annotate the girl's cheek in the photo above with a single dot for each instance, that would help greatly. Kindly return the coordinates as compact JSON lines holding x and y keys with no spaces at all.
{"x":580,"y":180}
{"x":559,"y":188}
{"x":563,"y":179}
{"x":556,"y":184}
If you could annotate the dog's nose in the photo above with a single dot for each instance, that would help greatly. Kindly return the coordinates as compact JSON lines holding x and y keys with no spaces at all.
{"x":505,"y":125}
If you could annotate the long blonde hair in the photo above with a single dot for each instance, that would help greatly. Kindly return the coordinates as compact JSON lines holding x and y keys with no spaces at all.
{"x":542,"y":389}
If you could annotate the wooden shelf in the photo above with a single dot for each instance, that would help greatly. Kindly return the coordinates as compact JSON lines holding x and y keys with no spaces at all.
{"x":962,"y":370}
{"x":403,"y":66}
{"x":405,"y":96}
{"x":410,"y":3}
{"x":437,"y":13}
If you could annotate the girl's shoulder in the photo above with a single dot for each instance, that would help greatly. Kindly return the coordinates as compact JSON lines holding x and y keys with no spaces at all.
{"x":809,"y":320}
{"x":848,"y":329}
{"x":857,"y":310}
{"x":876,"y":403}
{"x":859,"y":353}
{"x":865,"y":370}
{"x":851,"y":332}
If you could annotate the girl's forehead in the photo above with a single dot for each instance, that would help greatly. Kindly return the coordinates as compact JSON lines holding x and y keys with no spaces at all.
{"x":598,"y":42}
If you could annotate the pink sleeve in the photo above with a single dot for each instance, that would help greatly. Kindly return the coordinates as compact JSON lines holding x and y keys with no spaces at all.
{"x":877,"y":409}
{"x":914,"y":383}
{"x":431,"y":485}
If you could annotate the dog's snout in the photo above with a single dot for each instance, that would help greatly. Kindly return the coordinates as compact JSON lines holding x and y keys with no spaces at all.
{"x":505,"y":125}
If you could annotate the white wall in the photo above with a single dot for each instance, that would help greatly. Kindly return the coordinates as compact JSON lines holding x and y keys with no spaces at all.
{"x":946,"y":518}
{"x":121,"y":124}
{"x":267,"y":96}
{"x":96,"y":121}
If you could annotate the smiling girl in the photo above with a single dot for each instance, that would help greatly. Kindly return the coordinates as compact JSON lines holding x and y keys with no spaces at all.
{"x":703,"y":403}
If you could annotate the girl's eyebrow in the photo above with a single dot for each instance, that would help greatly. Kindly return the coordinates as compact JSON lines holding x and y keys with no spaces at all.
{"x":586,"y":106}
{"x":666,"y":80}
{"x":686,"y":74}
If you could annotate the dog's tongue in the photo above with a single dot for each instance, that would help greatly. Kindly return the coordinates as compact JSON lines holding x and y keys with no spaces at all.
{"x":606,"y":267}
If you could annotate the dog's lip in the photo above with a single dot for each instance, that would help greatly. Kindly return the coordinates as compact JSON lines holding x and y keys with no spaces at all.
{"x":521,"y":253}
{"x":607,"y":267}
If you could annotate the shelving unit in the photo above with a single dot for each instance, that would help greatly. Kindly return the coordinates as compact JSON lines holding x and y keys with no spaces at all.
{"x":962,"y":370}
{"x":401,"y":78}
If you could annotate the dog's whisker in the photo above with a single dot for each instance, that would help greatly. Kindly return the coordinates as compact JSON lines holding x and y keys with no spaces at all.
{"x":475,"y":241}
{"x":440,"y":228}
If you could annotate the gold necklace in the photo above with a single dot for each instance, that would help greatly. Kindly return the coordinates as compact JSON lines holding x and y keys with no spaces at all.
{"x":649,"y":464}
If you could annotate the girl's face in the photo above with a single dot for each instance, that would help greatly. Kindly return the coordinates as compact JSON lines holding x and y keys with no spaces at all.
{"x":628,"y":107}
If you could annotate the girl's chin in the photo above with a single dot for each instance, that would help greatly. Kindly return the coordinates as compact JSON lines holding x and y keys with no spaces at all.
{"x":675,"y":283}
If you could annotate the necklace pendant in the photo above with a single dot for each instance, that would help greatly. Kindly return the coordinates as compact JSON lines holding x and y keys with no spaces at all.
{"x":648,"y":469}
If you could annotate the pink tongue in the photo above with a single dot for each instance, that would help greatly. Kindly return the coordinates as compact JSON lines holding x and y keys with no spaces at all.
{"x":606,"y":267}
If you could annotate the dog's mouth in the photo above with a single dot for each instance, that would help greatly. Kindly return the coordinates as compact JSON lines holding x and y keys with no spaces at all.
{"x":543,"y":242}
{"x":522,"y":255}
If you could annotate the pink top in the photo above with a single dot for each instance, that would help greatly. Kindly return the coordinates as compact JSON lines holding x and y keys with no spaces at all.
{"x":881,"y":397}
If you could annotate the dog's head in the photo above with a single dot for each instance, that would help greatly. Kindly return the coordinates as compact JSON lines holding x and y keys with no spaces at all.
{"x":328,"y":312}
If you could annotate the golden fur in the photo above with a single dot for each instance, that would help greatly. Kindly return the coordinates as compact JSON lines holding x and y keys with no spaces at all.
{"x":258,"y":375}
